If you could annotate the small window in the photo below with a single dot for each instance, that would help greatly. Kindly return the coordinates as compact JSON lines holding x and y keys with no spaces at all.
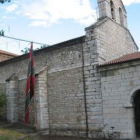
{"x":121,"y":17}
{"x":112,"y":10}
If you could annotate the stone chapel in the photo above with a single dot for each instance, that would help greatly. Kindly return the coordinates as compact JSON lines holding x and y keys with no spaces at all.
{"x":84,"y":83}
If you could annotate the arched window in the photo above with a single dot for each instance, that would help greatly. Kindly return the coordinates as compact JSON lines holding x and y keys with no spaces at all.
{"x":121,"y":16}
{"x":112,"y":9}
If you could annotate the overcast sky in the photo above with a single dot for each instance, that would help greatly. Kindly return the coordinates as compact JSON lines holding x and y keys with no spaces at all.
{"x":54,"y":21}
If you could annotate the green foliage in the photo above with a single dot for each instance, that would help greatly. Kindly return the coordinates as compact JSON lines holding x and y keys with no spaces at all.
{"x":27,"y":50}
{"x":3,"y":1}
{"x":44,"y":46}
{"x":5,"y":138}
{"x":2,"y":100}
{"x":9,"y":134}
{"x":2,"y":106}
{"x":1,"y":33}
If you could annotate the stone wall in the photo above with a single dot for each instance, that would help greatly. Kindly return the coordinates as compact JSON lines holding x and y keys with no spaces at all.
{"x":66,"y":99}
{"x":105,"y":40}
{"x":12,"y":100}
{"x":92,"y":81}
{"x":72,"y":94}
{"x":105,"y":11}
{"x":3,"y":87}
{"x":60,"y":56}
{"x":16,"y":94}
{"x":119,"y":4}
{"x":41,"y":103}
{"x":63,"y":96}
{"x":118,"y":84}
{"x":113,"y":41}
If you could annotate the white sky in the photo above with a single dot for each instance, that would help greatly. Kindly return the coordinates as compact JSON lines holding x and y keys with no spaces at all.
{"x":49,"y":21}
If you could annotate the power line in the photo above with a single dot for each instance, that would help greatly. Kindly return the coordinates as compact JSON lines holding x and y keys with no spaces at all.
{"x":21,"y":39}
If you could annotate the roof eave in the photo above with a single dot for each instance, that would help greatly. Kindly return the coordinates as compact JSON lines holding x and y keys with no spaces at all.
{"x":50,"y":48}
{"x":118,"y":64}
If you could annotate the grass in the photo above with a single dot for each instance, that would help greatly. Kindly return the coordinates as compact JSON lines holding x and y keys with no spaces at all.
{"x":6,"y":134}
{"x":28,"y":138}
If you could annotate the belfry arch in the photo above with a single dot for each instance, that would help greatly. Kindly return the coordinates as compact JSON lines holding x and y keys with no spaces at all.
{"x":121,"y":17}
{"x":112,"y":10}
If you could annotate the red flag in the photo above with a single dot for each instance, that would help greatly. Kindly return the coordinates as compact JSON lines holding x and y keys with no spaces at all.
{"x":30,"y":87}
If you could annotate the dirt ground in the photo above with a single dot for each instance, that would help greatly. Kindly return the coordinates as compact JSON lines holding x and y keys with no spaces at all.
{"x":32,"y":134}
{"x":59,"y":138}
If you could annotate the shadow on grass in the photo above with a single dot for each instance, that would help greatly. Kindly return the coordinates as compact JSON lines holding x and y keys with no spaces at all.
{"x":6,"y":134}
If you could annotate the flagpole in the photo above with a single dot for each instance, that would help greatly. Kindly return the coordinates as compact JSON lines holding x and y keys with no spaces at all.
{"x":35,"y":104}
{"x":30,"y":89}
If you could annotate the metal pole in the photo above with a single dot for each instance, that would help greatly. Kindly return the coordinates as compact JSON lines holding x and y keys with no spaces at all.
{"x":85,"y":98}
{"x":23,"y":40}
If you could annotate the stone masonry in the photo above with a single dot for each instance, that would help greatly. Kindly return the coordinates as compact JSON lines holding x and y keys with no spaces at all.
{"x":105,"y":11}
{"x":12,"y":99}
{"x":41,"y":102}
{"x":62,"y":88}
{"x":72,"y":92}
{"x":118,"y":85}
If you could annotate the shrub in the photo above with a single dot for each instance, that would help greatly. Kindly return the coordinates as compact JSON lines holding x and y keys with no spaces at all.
{"x":2,"y":100}
{"x":2,"y":105}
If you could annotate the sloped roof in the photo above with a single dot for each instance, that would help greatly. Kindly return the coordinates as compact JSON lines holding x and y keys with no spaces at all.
{"x":49,"y":48}
{"x":124,"y":58}
{"x":98,"y":23}
{"x":7,"y":53}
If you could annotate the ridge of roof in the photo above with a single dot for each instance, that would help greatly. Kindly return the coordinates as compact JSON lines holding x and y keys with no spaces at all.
{"x":99,"y":22}
{"x":8,"y":53}
{"x":105,"y":19}
{"x":122,"y":59}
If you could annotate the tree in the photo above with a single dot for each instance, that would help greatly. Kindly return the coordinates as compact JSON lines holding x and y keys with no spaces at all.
{"x":44,"y":46}
{"x":3,"y":1}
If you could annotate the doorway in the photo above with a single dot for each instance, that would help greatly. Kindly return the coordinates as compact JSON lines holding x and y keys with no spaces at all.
{"x":137,"y":112}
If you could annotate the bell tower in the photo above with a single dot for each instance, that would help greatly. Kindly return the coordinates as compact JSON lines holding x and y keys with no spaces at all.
{"x":113,"y":9}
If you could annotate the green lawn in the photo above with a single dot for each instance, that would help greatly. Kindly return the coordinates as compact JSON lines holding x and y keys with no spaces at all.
{"x":6,"y":134}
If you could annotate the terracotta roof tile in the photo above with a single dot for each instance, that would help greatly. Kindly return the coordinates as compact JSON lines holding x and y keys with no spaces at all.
{"x":8,"y":53}
{"x":124,"y":58}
